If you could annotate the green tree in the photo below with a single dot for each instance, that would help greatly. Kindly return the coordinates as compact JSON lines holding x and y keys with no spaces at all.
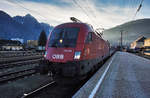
{"x":42,"y":39}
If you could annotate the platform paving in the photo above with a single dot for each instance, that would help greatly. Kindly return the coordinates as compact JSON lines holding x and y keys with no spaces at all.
{"x":125,"y":75}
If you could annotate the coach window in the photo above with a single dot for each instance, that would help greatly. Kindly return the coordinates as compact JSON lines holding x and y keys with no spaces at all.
{"x":89,"y":37}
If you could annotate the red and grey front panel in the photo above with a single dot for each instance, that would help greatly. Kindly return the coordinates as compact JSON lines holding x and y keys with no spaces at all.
{"x":59,"y":54}
{"x":63,"y":45}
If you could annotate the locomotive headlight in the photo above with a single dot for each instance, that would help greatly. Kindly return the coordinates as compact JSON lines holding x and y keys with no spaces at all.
{"x":60,"y":40}
{"x":45,"y":54}
{"x":77,"y":55}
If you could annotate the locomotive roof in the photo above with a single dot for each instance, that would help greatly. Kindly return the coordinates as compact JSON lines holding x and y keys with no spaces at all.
{"x":77,"y":24}
{"x":74,"y":24}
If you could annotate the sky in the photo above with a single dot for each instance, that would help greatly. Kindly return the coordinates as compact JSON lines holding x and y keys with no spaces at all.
{"x":99,"y":13}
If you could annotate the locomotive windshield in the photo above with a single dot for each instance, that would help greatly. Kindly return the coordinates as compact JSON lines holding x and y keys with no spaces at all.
{"x":64,"y":37}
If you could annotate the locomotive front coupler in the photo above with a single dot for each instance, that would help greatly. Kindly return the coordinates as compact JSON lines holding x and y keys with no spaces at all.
{"x":45,"y":67}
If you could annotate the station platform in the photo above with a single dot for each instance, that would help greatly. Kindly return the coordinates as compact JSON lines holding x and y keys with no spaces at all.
{"x":124,"y":75}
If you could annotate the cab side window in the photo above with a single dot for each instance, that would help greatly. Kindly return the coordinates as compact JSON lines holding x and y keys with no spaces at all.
{"x":89,"y":37}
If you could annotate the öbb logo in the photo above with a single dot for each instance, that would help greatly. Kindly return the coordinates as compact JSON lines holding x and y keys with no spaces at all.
{"x":58,"y":56}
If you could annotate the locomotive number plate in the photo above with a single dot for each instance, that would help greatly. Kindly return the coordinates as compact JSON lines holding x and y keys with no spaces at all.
{"x":58,"y":56}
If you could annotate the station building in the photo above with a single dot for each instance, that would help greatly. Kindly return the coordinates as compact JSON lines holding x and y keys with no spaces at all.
{"x":10,"y":45}
{"x":138,"y":43}
{"x":147,"y":42}
{"x":147,"y":46}
{"x":32,"y":43}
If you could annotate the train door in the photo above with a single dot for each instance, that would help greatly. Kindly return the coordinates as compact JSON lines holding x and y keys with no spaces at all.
{"x":94,"y":45}
{"x":89,"y":46}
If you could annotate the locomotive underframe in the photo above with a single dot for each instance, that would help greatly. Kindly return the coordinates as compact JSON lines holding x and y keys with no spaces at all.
{"x":72,"y":68}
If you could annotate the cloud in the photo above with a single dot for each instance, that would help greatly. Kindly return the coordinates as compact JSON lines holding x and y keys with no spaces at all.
{"x":98,"y":14}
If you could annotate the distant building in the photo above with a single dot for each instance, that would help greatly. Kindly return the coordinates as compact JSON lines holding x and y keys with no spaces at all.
{"x":147,"y":46}
{"x":18,"y":39}
{"x":138,"y":43}
{"x":10,"y":45}
{"x":32,"y":43}
{"x":147,"y":42}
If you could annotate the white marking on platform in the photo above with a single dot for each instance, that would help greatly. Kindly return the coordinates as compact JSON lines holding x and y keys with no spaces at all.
{"x":100,"y":80}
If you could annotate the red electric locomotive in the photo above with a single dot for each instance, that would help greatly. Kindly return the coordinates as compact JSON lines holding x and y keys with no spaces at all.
{"x":74,"y":49}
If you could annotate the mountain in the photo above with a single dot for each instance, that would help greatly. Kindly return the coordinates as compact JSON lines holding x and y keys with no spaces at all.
{"x":8,"y":26}
{"x":131,"y":31}
{"x":24,"y":27}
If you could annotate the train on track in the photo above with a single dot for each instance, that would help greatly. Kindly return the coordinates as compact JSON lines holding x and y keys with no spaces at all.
{"x":74,"y":49}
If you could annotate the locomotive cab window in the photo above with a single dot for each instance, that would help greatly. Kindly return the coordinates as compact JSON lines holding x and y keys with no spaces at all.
{"x":64,"y":37}
{"x":89,"y":37}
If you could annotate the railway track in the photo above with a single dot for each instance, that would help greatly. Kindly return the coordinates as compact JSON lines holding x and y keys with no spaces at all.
{"x":141,"y":55}
{"x":12,"y":68}
{"x":19,"y":63}
{"x":17,"y":74}
{"x":18,"y":54}
{"x":15,"y":59}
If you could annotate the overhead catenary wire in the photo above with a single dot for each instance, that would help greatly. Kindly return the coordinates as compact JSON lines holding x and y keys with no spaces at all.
{"x":33,"y":11}
{"x":19,"y":3}
{"x":130,"y":4}
{"x":93,"y":17}
{"x":93,"y":13}
{"x":76,"y":3}
{"x":84,"y":11}
{"x":133,"y":5}
{"x":138,"y":9}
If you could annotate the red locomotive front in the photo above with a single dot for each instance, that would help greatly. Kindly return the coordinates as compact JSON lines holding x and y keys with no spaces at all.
{"x":65,"y":43}
{"x":74,"y":49}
